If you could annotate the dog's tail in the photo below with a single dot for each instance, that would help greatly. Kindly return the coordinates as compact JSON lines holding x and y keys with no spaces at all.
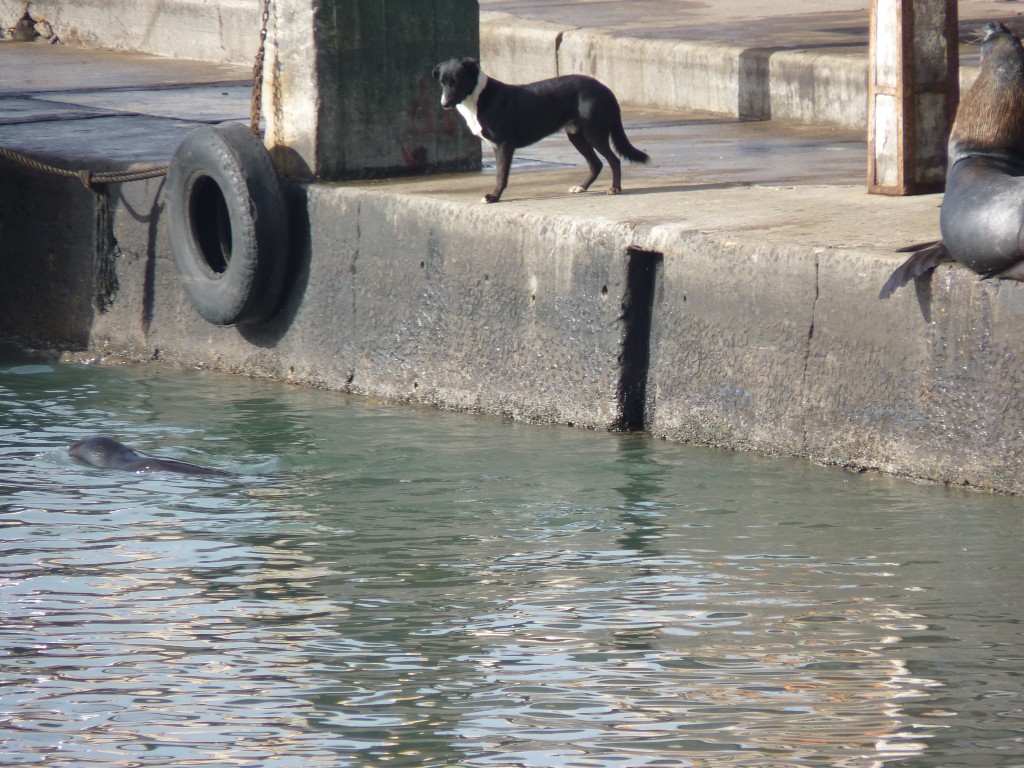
{"x":624,"y":148}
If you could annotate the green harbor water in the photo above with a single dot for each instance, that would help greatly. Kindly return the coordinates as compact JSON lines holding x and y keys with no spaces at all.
{"x":382,"y":585}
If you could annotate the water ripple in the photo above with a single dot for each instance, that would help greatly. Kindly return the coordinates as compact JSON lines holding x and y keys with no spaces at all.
{"x":412,"y":588}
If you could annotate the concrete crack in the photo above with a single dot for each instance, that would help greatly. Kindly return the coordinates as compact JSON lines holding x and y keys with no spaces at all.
{"x":807,"y":358}
{"x":353,"y":276}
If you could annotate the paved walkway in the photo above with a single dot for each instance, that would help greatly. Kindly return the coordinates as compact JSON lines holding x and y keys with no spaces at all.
{"x":150,"y":102}
{"x":103,"y":110}
{"x":109,"y":110}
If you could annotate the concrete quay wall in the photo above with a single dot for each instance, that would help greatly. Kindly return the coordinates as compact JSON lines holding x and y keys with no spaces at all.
{"x":786,"y":350}
{"x":738,"y":339}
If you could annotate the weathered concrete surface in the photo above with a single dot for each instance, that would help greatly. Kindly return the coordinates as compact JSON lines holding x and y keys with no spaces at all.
{"x":756,"y":59}
{"x":46,"y":258}
{"x":225,"y":31}
{"x":909,"y":392}
{"x":438,"y":303}
{"x":817,"y":367}
{"x":651,"y":69}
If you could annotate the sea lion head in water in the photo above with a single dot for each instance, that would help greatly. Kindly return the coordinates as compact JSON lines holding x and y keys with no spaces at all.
{"x":107,"y":453}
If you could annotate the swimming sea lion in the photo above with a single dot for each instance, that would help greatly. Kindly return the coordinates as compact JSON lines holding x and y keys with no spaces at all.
{"x":982,"y":215}
{"x":104,"y":452}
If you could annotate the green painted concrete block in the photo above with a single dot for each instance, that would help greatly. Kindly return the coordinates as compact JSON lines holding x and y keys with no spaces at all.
{"x":380,"y":109}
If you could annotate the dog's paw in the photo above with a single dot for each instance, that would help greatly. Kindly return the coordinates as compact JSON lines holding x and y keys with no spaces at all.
{"x":577,"y":190}
{"x":489,"y":198}
{"x":614,"y":190}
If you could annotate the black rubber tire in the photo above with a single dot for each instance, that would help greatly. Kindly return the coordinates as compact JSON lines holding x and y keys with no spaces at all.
{"x":228,"y":224}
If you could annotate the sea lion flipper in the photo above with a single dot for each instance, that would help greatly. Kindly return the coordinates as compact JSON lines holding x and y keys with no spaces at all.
{"x":918,"y":246}
{"x":1016,"y":272}
{"x":925,"y":257}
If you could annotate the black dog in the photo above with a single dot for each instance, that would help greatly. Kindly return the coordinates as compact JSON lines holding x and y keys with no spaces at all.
{"x":513,"y":116}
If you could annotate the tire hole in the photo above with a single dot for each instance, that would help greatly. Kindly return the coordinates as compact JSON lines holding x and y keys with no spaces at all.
{"x":211,"y":223}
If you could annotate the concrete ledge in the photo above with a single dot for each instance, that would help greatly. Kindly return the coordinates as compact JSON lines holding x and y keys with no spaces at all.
{"x":801,"y":86}
{"x":728,"y":379}
{"x":819,"y":88}
{"x":458,"y":306}
{"x":468,"y":307}
{"x":515,"y":51}
{"x":225,"y":31}
{"x":817,"y":367}
{"x":684,"y":75}
{"x":663,"y":74}
{"x":928,"y":379}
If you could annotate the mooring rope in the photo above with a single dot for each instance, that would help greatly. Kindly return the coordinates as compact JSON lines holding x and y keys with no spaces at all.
{"x":106,"y":249}
{"x":90,"y":179}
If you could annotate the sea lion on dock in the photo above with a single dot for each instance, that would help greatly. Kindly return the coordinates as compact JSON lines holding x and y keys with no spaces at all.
{"x":107,"y":453}
{"x":982,"y":214}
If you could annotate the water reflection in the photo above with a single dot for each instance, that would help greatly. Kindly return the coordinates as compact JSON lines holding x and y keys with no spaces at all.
{"x":413,"y":588}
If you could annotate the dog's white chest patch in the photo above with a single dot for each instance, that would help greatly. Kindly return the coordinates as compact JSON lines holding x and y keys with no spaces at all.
{"x":468,"y":107}
{"x":469,"y":115}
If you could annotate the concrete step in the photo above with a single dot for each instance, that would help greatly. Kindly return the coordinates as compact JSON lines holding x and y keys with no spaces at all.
{"x":821,"y":86}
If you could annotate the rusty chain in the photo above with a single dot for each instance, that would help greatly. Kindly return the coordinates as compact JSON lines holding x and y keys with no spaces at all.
{"x":257,"y":72}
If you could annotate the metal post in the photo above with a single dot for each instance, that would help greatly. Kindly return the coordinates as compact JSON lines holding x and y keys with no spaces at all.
{"x":913,"y":92}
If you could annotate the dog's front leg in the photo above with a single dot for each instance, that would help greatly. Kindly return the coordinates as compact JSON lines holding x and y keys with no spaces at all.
{"x":503,"y":161}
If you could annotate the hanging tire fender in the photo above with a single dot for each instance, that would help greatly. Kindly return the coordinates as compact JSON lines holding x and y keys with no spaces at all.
{"x":228,"y":224}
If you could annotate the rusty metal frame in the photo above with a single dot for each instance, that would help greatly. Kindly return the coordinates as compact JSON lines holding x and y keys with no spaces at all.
{"x":906,"y":92}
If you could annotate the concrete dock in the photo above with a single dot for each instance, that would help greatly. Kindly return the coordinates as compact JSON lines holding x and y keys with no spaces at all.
{"x":758,"y":250}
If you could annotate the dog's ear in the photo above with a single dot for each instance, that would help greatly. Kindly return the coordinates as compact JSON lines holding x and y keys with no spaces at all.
{"x":437,"y":72}
{"x":471,"y":62}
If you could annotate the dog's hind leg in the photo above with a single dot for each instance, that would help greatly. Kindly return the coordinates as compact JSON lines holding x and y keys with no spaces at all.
{"x":502,"y":161}
{"x":593,"y":161}
{"x":600,"y":143}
